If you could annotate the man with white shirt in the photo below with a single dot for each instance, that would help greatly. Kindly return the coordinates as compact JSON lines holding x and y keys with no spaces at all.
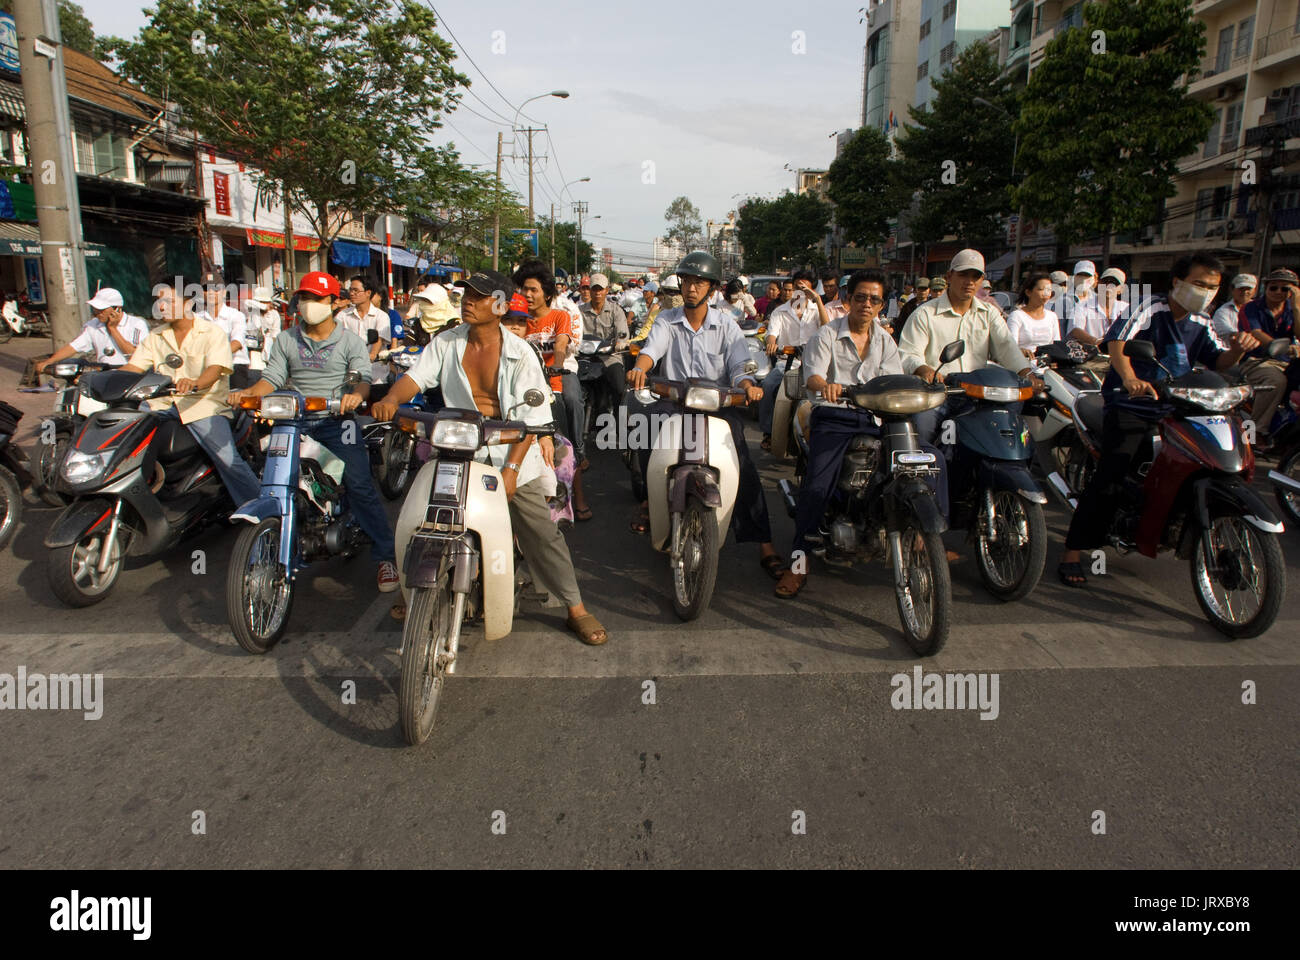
{"x":230,"y":320}
{"x":112,"y":334}
{"x":361,"y":316}
{"x":1079,"y":311}
{"x":1227,"y":318}
{"x":792,"y":324}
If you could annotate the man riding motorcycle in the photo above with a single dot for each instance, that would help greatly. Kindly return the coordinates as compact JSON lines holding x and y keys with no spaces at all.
{"x":696,"y":340}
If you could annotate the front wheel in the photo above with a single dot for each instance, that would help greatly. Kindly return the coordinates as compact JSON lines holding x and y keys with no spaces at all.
{"x":695,"y":564}
{"x":924,"y":592}
{"x":1011,"y":561}
{"x":259,"y":593}
{"x":1289,"y":466}
{"x":427,"y":641}
{"x":47,"y":468}
{"x":396,"y":452}
{"x":74,"y":571}
{"x":1241,"y":584}
{"x":11,"y":505}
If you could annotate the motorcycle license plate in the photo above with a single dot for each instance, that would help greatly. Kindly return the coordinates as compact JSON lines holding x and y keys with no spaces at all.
{"x":279,"y":445}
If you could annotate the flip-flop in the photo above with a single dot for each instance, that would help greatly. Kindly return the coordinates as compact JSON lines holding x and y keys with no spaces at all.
{"x":641,"y":525}
{"x":586,"y":627}
{"x":773,"y":565}
{"x":582,"y":515}
{"x":789,"y":594}
{"x":398,"y":612}
{"x":1072,"y":575}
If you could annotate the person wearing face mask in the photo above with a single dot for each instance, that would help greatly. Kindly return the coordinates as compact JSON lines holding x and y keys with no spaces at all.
{"x":1080,"y":310}
{"x":314,"y":358}
{"x":1179,"y":326}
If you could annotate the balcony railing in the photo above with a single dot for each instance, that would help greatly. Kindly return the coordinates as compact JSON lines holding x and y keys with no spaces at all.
{"x":1211,"y":66}
{"x":1278,"y":41}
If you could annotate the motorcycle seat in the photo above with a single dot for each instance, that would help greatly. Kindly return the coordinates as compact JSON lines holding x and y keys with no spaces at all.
{"x":1089,"y":407}
{"x":173,"y":441}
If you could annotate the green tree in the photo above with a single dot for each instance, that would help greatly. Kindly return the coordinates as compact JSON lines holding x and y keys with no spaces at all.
{"x":564,"y":234}
{"x":773,"y":232}
{"x":1101,"y":133}
{"x":74,"y":27}
{"x":684,"y":225}
{"x":331,"y":100}
{"x":864,"y":186}
{"x":957,"y":153}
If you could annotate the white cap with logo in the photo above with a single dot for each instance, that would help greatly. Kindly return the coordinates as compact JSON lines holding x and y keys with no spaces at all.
{"x":104,"y":298}
{"x":1085,"y":266}
{"x":967,"y":260}
{"x":600,"y":280}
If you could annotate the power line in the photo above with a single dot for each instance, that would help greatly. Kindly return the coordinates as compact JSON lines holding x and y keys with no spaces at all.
{"x":443,"y":21}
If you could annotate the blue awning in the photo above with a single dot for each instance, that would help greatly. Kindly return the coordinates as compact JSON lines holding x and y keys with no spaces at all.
{"x":349,"y":254}
{"x":401,"y":256}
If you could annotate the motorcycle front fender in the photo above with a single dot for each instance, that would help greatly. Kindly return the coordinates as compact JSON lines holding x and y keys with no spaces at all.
{"x":913,"y":500}
{"x":1227,"y":495}
{"x":78,"y":519}
{"x":1011,"y":477}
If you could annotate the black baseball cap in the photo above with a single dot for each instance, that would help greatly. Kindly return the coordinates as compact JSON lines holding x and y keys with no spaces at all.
{"x":488,"y":283}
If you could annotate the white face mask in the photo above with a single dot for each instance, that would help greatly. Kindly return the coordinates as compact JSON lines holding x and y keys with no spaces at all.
{"x":1190,"y":298}
{"x":314,"y":312}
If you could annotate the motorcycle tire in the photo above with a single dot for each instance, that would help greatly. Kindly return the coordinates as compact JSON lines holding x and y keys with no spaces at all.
{"x":11,"y":506}
{"x":1289,"y":466}
{"x":693,"y":590}
{"x":6,"y":334}
{"x":1268,"y":559}
{"x":73,"y":570}
{"x":932,"y":580}
{"x":47,"y":467}
{"x":432,"y":615}
{"x":1010,"y":583}
{"x":259,"y":544}
{"x":396,"y":470}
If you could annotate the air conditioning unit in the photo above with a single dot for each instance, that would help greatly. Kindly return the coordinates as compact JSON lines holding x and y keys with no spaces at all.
{"x":1227,"y":91}
{"x":1237,"y":226}
{"x":1217,"y":230}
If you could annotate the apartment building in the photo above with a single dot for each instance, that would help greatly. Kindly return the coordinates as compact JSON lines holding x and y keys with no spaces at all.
{"x":889,"y":64}
{"x":947,"y":27}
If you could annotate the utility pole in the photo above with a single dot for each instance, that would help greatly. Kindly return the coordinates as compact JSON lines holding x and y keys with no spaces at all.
{"x":496,"y":210}
{"x":579,"y":208}
{"x":530,"y":178}
{"x":54,"y":171}
{"x":552,"y":239}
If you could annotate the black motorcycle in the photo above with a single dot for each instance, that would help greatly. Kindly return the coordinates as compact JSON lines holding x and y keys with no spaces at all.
{"x":15,"y":474}
{"x":71,"y":408}
{"x":592,"y":354}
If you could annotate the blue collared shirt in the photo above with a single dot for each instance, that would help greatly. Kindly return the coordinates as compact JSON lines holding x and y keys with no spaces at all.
{"x":1256,"y":315}
{"x":715,"y":352}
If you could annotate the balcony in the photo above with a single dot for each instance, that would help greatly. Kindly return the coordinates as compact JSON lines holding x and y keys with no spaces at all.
{"x":1221,"y":68}
{"x":1278,"y":48}
{"x":1202,"y":7}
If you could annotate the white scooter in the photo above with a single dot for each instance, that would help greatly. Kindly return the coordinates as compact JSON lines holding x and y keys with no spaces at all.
{"x":455,"y":550}
{"x":691,"y":483}
{"x":788,"y":396}
{"x":1052,"y":420}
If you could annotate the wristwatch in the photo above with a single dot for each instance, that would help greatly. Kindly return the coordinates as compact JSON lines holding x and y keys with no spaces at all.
{"x":511,"y":466}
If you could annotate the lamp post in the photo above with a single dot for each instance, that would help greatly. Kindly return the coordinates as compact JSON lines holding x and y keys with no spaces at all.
{"x":561,"y":94}
{"x":1020,"y":213}
{"x":577,"y":235}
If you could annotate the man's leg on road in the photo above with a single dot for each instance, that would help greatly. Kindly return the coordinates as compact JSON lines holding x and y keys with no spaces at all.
{"x":214,"y":435}
{"x":362,"y":494}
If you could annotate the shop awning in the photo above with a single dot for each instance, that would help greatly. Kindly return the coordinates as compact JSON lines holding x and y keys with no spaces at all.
{"x":24,"y":240}
{"x":349,"y":254}
{"x":401,"y":256}
{"x":11,"y":101}
{"x":998,"y":267}
{"x":269,"y":238}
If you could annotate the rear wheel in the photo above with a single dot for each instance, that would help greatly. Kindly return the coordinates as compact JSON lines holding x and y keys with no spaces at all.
{"x":74,"y":571}
{"x":695,"y":569}
{"x":1289,"y":466}
{"x":434,"y":613}
{"x":1241,"y":584}
{"x":396,"y":452}
{"x":259,"y":594}
{"x":47,"y":467}
{"x":11,"y":505}
{"x":1012,"y":560}
{"x":924,"y":596}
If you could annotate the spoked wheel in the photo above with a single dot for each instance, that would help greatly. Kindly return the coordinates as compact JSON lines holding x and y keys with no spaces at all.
{"x":396,"y":453}
{"x":1289,"y":466}
{"x":1012,"y":560}
{"x":924,"y":597}
{"x":47,"y":468}
{"x":74,"y":571}
{"x":1240,"y":587}
{"x":695,"y":569}
{"x":429,"y":636}
{"x":259,"y":593}
{"x":11,"y":505}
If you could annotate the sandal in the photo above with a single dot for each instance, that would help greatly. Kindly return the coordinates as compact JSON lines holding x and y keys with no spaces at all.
{"x":641,"y":525}
{"x":588,"y":629}
{"x":790,"y":585}
{"x":767,"y":441}
{"x":583,"y":514}
{"x":585,"y":465}
{"x":398,"y":612}
{"x":773,"y":565}
{"x":1072,"y":574}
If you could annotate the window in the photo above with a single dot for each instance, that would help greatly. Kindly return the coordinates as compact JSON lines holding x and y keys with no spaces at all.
{"x":1212,"y":142}
{"x":85,"y":148}
{"x":877,"y":47}
{"x":925,"y":31}
{"x":1224,"y":57}
{"x":949,"y":9}
{"x":1245,"y":34}
{"x":923,"y":70}
{"x":947,"y":53}
{"x":1232,"y":126}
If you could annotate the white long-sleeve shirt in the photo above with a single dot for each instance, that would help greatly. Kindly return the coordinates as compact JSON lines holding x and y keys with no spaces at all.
{"x":935,"y":324}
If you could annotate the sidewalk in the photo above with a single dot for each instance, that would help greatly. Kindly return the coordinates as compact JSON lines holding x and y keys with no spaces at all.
{"x":13,"y":361}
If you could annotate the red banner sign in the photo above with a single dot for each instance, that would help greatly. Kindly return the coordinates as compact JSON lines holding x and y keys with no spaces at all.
{"x":269,"y":238}
{"x":221,"y":193}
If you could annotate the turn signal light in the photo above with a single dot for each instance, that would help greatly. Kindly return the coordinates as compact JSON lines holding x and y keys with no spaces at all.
{"x":250,"y":403}
{"x":407,"y":425}
{"x":315,"y":404}
{"x":998,"y":394}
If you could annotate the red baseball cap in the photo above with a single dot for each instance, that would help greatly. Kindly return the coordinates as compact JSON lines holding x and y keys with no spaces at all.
{"x":319,"y":283}
{"x":518,"y":307}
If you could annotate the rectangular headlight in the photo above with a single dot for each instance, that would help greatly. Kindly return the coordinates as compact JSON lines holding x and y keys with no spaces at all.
{"x":456,"y":435}
{"x":66,"y":369}
{"x":279,"y":407}
{"x":901,"y":401}
{"x":704,"y":398}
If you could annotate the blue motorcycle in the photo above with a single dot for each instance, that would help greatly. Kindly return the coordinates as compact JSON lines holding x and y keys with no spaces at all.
{"x":991,"y":491}
{"x":300,"y":517}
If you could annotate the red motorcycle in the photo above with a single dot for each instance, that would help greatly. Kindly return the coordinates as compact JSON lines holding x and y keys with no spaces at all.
{"x":1194,"y":497}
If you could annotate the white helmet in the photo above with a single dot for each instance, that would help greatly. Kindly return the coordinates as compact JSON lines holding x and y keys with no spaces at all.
{"x":671,"y":284}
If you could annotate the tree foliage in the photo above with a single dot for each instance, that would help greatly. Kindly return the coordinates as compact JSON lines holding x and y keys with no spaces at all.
{"x":1102,"y":133}
{"x":957,"y":153}
{"x":864,"y":185}
{"x":564,"y":234}
{"x":75,"y":28}
{"x":684,"y":225}
{"x":787,"y":228}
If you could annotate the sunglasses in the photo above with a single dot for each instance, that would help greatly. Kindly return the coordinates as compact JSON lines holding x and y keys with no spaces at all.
{"x":1108,"y":282}
{"x":861,"y":298}
{"x":1278,"y":287}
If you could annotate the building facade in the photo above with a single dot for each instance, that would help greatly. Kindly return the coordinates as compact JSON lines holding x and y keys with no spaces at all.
{"x":947,"y":27}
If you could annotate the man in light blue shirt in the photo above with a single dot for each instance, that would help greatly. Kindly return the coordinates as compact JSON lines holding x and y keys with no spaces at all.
{"x":696,"y":340}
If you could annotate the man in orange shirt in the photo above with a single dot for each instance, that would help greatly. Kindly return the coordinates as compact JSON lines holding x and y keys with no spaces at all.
{"x":551,"y":328}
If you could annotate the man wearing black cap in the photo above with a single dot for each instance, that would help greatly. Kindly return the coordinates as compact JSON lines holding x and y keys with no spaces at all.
{"x":1271,"y":316}
{"x":479,"y":368}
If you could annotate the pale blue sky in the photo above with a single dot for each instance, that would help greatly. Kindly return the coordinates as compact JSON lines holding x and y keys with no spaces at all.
{"x":711,"y":93}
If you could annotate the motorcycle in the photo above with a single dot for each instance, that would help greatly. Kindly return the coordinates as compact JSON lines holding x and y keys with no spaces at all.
{"x":993,"y":493}
{"x":137,"y":484}
{"x":300,"y":517}
{"x":883,"y":506}
{"x":1051,"y":418}
{"x":1286,"y":447}
{"x":72,"y":406}
{"x":15,"y":475}
{"x":1194,"y":497}
{"x":394,"y":457}
{"x":787,"y":398}
{"x":19,"y":317}
{"x":454,"y":536}
{"x":691,"y":484}
{"x":592,"y":353}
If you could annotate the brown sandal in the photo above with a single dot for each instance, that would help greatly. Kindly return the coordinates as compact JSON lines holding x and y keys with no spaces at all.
{"x":587,"y":628}
{"x":398,"y":612}
{"x":792,"y":583}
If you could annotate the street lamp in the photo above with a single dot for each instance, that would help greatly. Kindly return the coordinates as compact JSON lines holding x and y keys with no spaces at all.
{"x":572,"y":182}
{"x":1020,"y":214}
{"x":561,"y":94}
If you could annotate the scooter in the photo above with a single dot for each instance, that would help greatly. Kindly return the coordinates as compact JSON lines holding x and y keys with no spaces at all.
{"x":883,"y":506}
{"x":1050,"y":418}
{"x":787,"y":398}
{"x":137,"y":484}
{"x":393,"y":454}
{"x":456,"y":549}
{"x":1194,"y":497}
{"x":300,"y":517}
{"x":15,"y":473}
{"x":592,"y":353}
{"x":993,"y":493}
{"x":691,"y":484}
{"x":72,"y":406}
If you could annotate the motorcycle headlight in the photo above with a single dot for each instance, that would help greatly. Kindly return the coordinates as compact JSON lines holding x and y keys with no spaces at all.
{"x":998,"y":394}
{"x":405,"y":360}
{"x":588,"y":346}
{"x":1217,"y":400}
{"x":456,"y":435}
{"x":901,"y":401}
{"x":703,"y":398}
{"x":65,"y":369}
{"x":279,"y":408}
{"x":81,"y":467}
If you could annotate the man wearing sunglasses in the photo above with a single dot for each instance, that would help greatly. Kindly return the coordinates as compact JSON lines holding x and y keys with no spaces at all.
{"x":1270,"y":317}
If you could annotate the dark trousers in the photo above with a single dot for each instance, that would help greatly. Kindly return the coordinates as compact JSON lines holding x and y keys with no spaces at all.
{"x":363,"y":497}
{"x":749,"y":520}
{"x":571,"y":423}
{"x":831,"y":429}
{"x":1125,"y":439}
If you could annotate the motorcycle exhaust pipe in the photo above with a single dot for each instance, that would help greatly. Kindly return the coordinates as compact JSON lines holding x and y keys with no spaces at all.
{"x":1282,"y":480}
{"x":788,"y":495}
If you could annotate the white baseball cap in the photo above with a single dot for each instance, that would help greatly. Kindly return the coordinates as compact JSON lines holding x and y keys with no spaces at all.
{"x":1085,"y":266}
{"x":435,"y":293}
{"x":261,"y":294}
{"x":1116,"y":274}
{"x":1244,"y":280}
{"x":967,"y":260}
{"x":104,"y":298}
{"x":1060,"y":276}
{"x":600,"y":280}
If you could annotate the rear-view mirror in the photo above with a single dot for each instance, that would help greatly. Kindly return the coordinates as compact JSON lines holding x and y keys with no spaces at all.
{"x":952,"y":351}
{"x":1140,"y":350}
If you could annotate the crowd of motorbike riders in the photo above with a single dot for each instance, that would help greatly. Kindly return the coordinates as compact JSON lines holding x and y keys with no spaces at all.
{"x":484,"y":342}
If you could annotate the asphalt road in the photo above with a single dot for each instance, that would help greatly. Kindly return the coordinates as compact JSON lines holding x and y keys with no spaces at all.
{"x":768,"y":716}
